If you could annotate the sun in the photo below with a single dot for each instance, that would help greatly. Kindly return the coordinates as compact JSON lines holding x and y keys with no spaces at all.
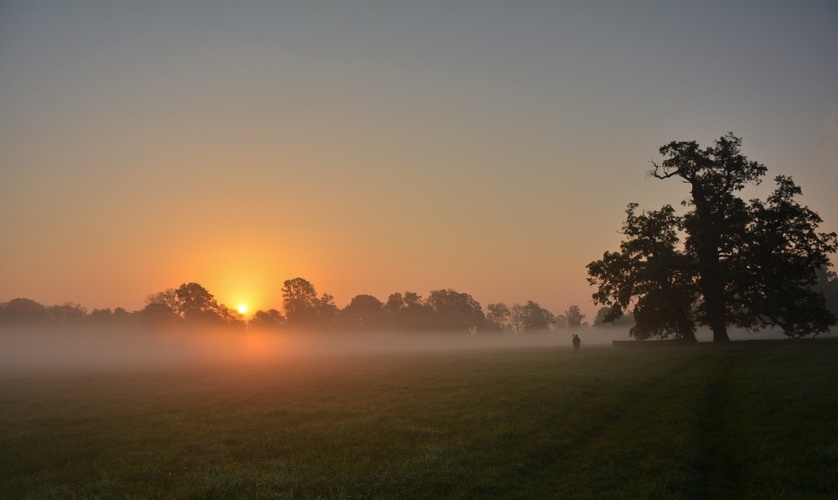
{"x":242,"y":309}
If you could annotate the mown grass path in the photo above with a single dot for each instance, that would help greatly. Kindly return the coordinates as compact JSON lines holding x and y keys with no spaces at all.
{"x":741,"y":421}
{"x":718,"y":459}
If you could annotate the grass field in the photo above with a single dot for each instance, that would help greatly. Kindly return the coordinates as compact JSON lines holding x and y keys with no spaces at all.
{"x":755,"y":419}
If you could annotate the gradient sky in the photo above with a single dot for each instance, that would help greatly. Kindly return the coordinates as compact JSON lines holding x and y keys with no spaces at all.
{"x":374,"y":147}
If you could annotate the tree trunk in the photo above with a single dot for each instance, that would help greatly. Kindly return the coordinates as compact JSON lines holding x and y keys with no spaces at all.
{"x":686,"y":329}
{"x":712,"y":287}
{"x":711,"y":279}
{"x":716,"y":314}
{"x":720,"y":335}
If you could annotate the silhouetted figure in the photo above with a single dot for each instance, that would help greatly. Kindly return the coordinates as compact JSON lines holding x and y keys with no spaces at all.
{"x":576,"y":342}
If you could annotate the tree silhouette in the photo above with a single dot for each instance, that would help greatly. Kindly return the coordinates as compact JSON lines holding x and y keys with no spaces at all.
{"x":23,"y":311}
{"x":714,"y":175}
{"x":456,"y":311}
{"x":299,"y":300}
{"x":190,"y":303}
{"x":302,"y":306}
{"x":67,"y":314}
{"x":267,"y":320}
{"x":119,"y":317}
{"x":408,"y":312}
{"x":744,"y":264}
{"x":363,"y":313}
{"x":529,"y":317}
{"x":161,"y":308}
{"x":157,"y":314}
{"x":574,"y":317}
{"x":100,"y":316}
{"x":517,"y":322}
{"x":536,"y":317}
{"x":327,"y":311}
{"x":497,"y":317}
{"x":196,"y":303}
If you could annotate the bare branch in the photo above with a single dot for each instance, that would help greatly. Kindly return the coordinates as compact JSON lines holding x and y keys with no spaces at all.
{"x":654,"y":172}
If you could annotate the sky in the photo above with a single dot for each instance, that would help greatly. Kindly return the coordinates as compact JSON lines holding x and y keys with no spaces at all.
{"x":377,"y":147}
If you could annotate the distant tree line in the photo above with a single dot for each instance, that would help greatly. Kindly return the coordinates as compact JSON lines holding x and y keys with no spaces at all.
{"x":192,"y":305}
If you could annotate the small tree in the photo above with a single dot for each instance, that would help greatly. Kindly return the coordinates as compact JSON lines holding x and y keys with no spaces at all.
{"x":517,"y":318}
{"x":574,"y":317}
{"x":534,"y":317}
{"x":497,"y":317}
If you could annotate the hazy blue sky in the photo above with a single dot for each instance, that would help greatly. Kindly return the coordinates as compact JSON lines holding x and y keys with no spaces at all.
{"x":374,"y":147}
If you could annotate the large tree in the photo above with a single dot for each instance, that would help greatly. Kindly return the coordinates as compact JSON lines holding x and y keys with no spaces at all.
{"x":747,"y":264}
{"x":574,"y":317}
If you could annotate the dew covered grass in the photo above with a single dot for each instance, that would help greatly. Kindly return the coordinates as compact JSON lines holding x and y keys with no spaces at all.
{"x":753,"y":419}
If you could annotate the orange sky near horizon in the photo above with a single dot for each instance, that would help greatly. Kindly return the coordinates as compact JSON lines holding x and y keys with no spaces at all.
{"x":380,"y":147}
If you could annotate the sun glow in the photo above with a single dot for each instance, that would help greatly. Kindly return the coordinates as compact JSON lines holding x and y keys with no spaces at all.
{"x":242,"y":308}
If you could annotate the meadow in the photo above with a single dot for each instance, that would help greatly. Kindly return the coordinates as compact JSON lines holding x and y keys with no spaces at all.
{"x":747,"y":420}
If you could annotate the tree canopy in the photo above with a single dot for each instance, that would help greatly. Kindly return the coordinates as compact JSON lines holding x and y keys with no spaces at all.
{"x":303,"y":307}
{"x":749,"y":264}
{"x":190,"y":302}
{"x":456,"y":311}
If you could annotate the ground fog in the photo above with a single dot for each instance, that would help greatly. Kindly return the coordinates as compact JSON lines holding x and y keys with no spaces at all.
{"x":102,"y":349}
